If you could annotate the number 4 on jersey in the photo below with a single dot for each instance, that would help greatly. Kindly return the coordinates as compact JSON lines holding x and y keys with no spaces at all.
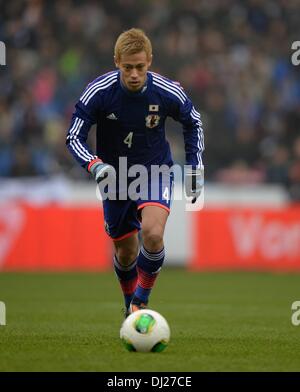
{"x":128,"y":139}
{"x":166,"y":194}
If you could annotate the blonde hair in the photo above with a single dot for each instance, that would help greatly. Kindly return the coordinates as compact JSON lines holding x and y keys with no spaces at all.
{"x":131,"y":42}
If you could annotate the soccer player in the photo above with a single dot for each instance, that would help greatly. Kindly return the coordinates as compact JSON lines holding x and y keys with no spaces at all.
{"x":130,"y":106}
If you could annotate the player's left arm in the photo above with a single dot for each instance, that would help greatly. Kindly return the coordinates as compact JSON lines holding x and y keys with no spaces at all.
{"x":185,"y":112}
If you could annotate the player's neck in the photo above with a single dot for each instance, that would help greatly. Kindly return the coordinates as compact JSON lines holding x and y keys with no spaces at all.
{"x":134,"y":92}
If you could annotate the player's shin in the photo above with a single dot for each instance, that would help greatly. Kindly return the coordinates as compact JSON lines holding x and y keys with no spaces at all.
{"x":148,"y":265}
{"x":127,"y":276}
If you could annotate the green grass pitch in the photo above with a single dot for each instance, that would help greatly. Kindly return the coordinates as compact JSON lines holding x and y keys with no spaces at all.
{"x":219,"y":322}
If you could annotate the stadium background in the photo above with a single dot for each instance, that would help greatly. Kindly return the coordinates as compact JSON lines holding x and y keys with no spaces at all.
{"x":234,"y":59}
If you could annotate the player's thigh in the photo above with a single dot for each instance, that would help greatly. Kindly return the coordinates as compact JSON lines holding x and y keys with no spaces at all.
{"x":127,"y":249}
{"x":154,"y":219}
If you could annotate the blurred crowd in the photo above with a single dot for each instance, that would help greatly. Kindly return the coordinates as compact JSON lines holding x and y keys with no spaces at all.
{"x":232,"y":57}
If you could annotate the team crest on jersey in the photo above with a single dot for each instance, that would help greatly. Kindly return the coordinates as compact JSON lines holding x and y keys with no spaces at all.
{"x":152,"y":120}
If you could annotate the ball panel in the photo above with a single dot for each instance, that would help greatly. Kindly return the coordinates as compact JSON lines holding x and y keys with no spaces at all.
{"x":144,"y":323}
{"x":159,"y":347}
{"x":128,"y":345}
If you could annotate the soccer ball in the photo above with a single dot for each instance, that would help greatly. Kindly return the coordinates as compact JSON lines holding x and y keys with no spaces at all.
{"x":145,"y":331}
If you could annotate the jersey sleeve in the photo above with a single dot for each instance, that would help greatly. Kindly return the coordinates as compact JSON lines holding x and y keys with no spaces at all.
{"x":84,"y":116}
{"x":184,"y":111}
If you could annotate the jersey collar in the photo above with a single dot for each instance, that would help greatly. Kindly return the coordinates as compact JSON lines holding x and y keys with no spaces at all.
{"x":139,"y":93}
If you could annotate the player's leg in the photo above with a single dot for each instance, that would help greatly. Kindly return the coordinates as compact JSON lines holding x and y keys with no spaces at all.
{"x":125,"y":260}
{"x":152,"y":253}
{"x":122,"y":225}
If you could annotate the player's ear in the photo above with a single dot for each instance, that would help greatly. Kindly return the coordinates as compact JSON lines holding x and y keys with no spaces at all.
{"x":150,"y":61}
{"x":116,"y":62}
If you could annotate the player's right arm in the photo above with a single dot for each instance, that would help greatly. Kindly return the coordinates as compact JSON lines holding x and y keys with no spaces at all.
{"x":84,"y":116}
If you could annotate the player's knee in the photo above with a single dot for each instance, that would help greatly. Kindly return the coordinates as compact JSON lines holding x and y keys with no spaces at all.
{"x":126,"y":255}
{"x":153,"y":238}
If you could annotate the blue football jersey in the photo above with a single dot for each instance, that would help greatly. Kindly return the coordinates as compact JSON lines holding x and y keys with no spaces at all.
{"x":132,"y":124}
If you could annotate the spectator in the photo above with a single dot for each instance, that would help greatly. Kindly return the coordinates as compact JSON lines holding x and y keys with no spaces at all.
{"x":233,"y":56}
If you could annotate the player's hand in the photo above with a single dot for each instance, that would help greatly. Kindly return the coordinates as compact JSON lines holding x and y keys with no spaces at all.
{"x":100,"y":170}
{"x":194,"y":182}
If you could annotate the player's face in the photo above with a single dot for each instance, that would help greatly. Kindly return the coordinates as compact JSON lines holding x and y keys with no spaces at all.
{"x":133,"y":68}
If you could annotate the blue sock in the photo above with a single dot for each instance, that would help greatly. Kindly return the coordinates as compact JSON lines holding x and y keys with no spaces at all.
{"x":127,"y":276}
{"x":148,"y":266}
